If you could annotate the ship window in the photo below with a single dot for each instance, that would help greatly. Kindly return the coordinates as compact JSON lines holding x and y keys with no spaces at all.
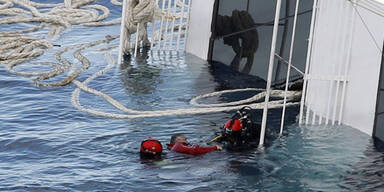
{"x":242,"y":36}
{"x":378,"y":129}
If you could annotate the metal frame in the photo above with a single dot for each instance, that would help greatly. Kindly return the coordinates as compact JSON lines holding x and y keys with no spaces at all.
{"x":270,"y":70}
{"x":289,"y":66}
{"x":309,"y":49}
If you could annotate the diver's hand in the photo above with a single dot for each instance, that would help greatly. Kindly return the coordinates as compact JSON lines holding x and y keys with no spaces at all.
{"x":219,"y":147}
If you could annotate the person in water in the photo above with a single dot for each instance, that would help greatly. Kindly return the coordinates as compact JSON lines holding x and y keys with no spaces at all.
{"x":151,"y":149}
{"x":240,"y":132}
{"x":180,"y":144}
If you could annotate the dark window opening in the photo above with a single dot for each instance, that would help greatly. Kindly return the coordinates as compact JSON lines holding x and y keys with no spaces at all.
{"x":378,"y":126}
{"x":242,"y":34}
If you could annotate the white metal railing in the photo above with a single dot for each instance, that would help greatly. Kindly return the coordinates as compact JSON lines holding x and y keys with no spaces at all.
{"x":270,"y":70}
{"x":166,"y":32}
{"x":307,"y":61}
{"x":289,"y":66}
{"x":336,"y":82}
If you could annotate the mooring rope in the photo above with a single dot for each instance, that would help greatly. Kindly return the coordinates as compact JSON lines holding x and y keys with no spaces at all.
{"x":18,"y":47}
{"x":208,"y":108}
{"x":23,"y":47}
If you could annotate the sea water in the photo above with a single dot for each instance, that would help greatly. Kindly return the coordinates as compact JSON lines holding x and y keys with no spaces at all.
{"x":46,"y":144}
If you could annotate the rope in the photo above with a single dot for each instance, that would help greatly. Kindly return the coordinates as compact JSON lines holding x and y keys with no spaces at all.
{"x":212,"y":108}
{"x":140,"y":12}
{"x":17,"y":47}
{"x":78,"y":56}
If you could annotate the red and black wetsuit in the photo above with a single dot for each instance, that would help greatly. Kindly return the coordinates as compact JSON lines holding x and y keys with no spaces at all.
{"x":190,"y":149}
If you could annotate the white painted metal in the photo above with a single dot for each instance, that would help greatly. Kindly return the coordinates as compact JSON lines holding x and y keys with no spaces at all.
{"x":199,"y":27}
{"x":166,"y":26}
{"x":153,"y":28}
{"x":359,"y":58}
{"x":329,"y":102}
{"x":313,"y":117}
{"x":289,"y":66}
{"x":270,"y":70}
{"x":122,"y":30}
{"x":180,"y":24}
{"x":173,"y":25}
{"x":348,"y":62}
{"x":307,"y":61}
{"x":308,"y":109}
{"x":187,"y":23}
{"x":339,"y":64}
{"x":137,"y":38}
{"x":161,"y":24}
{"x":286,"y":62}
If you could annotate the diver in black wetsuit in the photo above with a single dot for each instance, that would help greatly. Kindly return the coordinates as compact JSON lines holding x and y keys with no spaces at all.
{"x":240,"y":133}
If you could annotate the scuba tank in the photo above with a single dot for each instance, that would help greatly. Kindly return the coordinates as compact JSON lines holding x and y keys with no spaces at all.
{"x":240,"y":132}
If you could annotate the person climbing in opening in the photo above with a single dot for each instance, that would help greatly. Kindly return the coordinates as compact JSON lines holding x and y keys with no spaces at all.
{"x":180,"y":144}
{"x":151,"y":149}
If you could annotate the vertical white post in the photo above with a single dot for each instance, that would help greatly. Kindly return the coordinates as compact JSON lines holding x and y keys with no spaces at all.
{"x":173,"y":25}
{"x":166,"y":25}
{"x":329,"y":101}
{"x":180,"y":25}
{"x":153,"y":28}
{"x":68,"y":3}
{"x":333,"y":80}
{"x":187,"y":23}
{"x":340,"y":61}
{"x":270,"y":70}
{"x":314,"y":116}
{"x":289,"y":66}
{"x":320,"y":118}
{"x":309,"y":48}
{"x":122,"y":30}
{"x":137,"y":38}
{"x":348,"y":61}
{"x":161,"y":24}
{"x":307,"y":114}
{"x":335,"y":104}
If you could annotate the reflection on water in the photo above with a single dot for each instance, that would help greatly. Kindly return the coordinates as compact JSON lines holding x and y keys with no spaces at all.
{"x":43,"y":148}
{"x":368,"y":173}
{"x":46,"y":144}
{"x":137,"y":75}
{"x":239,"y":32}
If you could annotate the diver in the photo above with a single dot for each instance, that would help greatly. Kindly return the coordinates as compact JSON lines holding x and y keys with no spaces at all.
{"x":180,"y":144}
{"x":240,"y":132}
{"x":151,"y":149}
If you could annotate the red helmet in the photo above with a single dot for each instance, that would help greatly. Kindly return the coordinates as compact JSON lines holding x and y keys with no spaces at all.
{"x":151,"y":146}
{"x":234,"y":125}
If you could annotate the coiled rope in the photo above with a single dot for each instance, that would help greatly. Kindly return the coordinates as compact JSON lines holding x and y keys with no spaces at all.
{"x":17,"y":47}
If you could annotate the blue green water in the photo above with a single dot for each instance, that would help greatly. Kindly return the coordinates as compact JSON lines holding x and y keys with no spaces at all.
{"x":46,"y":144}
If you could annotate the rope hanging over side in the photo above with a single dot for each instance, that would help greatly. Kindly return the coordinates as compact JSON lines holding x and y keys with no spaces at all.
{"x":140,"y":12}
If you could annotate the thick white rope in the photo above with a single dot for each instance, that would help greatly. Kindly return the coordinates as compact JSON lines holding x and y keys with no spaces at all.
{"x":16,"y":48}
{"x":212,"y":108}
